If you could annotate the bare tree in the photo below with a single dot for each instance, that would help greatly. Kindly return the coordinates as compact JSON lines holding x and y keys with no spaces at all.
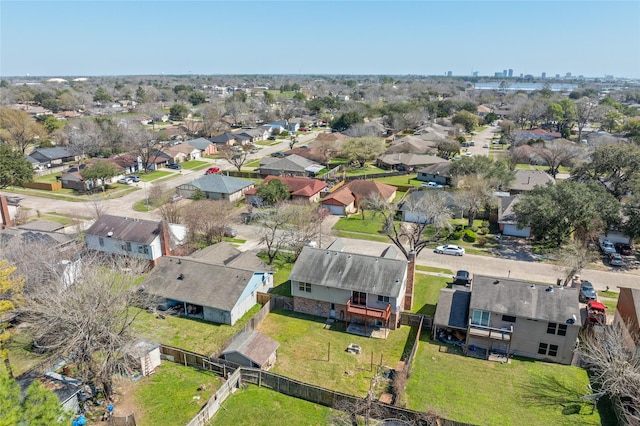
{"x":88,"y":319}
{"x":18,"y":129}
{"x":275,"y":228}
{"x":556,"y":153}
{"x":474,"y":194}
{"x":170,"y":211}
{"x":305,"y":221}
{"x":207,"y":221}
{"x":212,"y":122}
{"x":586,"y":110}
{"x":573,"y":258}
{"x":614,"y":365}
{"x":144,"y":144}
{"x":97,"y":208}
{"x":327,"y":148}
{"x":235,"y":158}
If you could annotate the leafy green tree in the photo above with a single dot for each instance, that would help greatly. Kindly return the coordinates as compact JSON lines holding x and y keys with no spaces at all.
{"x":198,"y":194}
{"x":467,"y":119}
{"x":101,"y":96}
{"x":631,"y":129}
{"x":448,"y":148}
{"x":141,"y":94}
{"x":564,"y":114}
{"x":490,"y":118}
{"x":197,"y":98}
{"x":347,"y":120}
{"x":273,"y":192}
{"x":300,"y":97}
{"x":4,"y":83}
{"x":616,"y":167}
{"x":363,"y":149}
{"x":567,"y":209}
{"x":49,"y":122}
{"x":100,"y":172}
{"x":14,"y":167}
{"x":38,"y":407}
{"x":178,"y":111}
{"x":11,"y":287}
{"x":17,"y":128}
{"x":269,"y":98}
{"x":611,"y":121}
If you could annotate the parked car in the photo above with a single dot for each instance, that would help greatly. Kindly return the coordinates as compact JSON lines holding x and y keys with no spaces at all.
{"x":615,"y":259}
{"x":472,"y":143}
{"x":174,"y":166}
{"x":135,"y":178}
{"x":450,"y":249}
{"x":254,"y":150}
{"x":468,"y":154}
{"x":462,"y":278}
{"x":230,"y":232}
{"x":431,"y":185}
{"x":212,"y":170}
{"x":587,"y":292}
{"x":271,"y":138}
{"x":278,"y":154}
{"x":607,"y":247}
{"x":486,"y":145}
{"x":125,"y":181}
{"x":175,"y":197}
{"x":624,"y":249}
{"x":303,"y":129}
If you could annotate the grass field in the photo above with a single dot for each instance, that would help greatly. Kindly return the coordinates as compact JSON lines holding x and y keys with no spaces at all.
{"x":167,"y":397}
{"x":400,"y":180}
{"x":304,"y":343}
{"x":259,"y":406}
{"x":189,"y":334}
{"x":434,"y":269}
{"x":523,"y":392}
{"x":195,"y":165}
{"x":426,"y":291}
{"x":251,"y":164}
{"x":367,"y":237}
{"x":156,"y":174}
{"x":354,"y":223}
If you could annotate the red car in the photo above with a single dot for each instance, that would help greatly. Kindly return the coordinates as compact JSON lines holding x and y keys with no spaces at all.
{"x":212,"y":170}
{"x":624,"y":249}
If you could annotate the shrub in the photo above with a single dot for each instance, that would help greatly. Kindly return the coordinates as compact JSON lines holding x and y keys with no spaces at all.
{"x":474,"y":228}
{"x":456,"y":235}
{"x":470,"y":236}
{"x":485,"y":224}
{"x":483,"y":231}
{"x":482,"y":241}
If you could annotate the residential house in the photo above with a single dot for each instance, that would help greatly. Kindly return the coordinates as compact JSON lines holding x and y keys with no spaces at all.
{"x":627,"y":316}
{"x":522,"y":136}
{"x":413,"y":145}
{"x":367,"y":291}
{"x":225,"y":139}
{"x":72,"y":179}
{"x":345,"y":199}
{"x":139,"y":238}
{"x":252,"y":349}
{"x":205,"y":146}
{"x":217,"y":187}
{"x":334,"y":139}
{"x":291,"y":165}
{"x":65,"y":388}
{"x":256,"y":134}
{"x":507,"y":219}
{"x":56,"y":156}
{"x":526,"y":180}
{"x":412,"y":208}
{"x":214,"y":291}
{"x":50,"y":234}
{"x":438,"y":173}
{"x":284,"y":126}
{"x":158,"y":160}
{"x":511,"y":317}
{"x":407,"y":161}
{"x":181,"y":152}
{"x":243,"y":139}
{"x":129,"y":162}
{"x":300,"y":188}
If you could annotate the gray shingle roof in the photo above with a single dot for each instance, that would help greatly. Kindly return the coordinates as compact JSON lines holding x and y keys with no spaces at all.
{"x":526,"y":180}
{"x":225,"y":254}
{"x":350,"y":271}
{"x":125,"y":229}
{"x":55,"y":153}
{"x":253,"y":345}
{"x":524,"y":299}
{"x":438,"y":168}
{"x":293,"y":162}
{"x":200,"y":143}
{"x":453,"y":307}
{"x":202,"y":283}
{"x":221,"y":184}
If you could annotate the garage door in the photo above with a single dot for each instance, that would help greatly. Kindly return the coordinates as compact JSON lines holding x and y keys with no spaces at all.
{"x":515,"y":232}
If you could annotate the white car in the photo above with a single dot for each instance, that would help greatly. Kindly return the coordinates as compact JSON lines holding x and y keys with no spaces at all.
{"x":450,"y":249}
{"x":125,"y":181}
{"x":468,"y":154}
{"x":486,"y":145}
{"x":431,"y":185}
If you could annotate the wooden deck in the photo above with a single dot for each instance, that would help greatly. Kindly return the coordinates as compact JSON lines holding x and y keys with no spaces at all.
{"x":372,"y":313}
{"x":491,"y":333}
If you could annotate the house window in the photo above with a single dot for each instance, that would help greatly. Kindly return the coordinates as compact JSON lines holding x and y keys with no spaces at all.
{"x":101,"y":241}
{"x":508,"y":318}
{"x":383,"y":299}
{"x":305,"y":287}
{"x":143,"y":249}
{"x":128,"y":247}
{"x":140,"y":248}
{"x":480,"y":318}
{"x":546,"y":349}
{"x":359,"y":298}
{"x":559,"y":329}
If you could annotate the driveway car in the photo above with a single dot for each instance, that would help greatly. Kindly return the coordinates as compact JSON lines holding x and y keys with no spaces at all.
{"x":230,"y":232}
{"x":212,"y":170}
{"x":624,"y":249}
{"x":450,"y":249}
{"x":587,"y":293}
{"x":607,"y":247}
{"x":174,"y":166}
{"x":615,"y":259}
{"x":175,"y":197}
{"x":486,"y":145}
{"x":431,"y":185}
{"x":254,"y":150}
{"x":278,"y":154}
{"x":462,"y":278}
{"x":134,"y":178}
{"x":468,"y":154}
{"x":125,"y":181}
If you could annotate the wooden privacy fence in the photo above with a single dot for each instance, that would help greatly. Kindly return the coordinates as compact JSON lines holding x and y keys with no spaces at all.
{"x":212,"y":406}
{"x":414,"y":320}
{"x":54,"y":186}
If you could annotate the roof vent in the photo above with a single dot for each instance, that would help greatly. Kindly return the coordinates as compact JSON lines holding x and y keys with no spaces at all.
{"x":532,"y":286}
{"x":349,"y":256}
{"x":397,"y":281}
{"x":181,"y":277}
{"x":496,"y":282}
{"x":549,"y":289}
{"x":110,"y":234}
{"x":179,"y":261}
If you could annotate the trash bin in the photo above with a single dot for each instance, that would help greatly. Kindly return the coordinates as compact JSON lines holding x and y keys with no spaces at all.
{"x":559,"y":281}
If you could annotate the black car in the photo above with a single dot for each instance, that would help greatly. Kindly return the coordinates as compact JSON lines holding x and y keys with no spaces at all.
{"x":462,"y":278}
{"x":134,"y":178}
{"x":278,"y":154}
{"x":174,"y":166}
{"x":624,"y":249}
{"x":587,"y":292}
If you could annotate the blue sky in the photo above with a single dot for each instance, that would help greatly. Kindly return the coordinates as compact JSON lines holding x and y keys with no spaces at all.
{"x":87,"y":38}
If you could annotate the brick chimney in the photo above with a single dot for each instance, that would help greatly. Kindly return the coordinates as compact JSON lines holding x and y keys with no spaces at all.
{"x":165,"y":248}
{"x":5,"y":218}
{"x":411,"y":275}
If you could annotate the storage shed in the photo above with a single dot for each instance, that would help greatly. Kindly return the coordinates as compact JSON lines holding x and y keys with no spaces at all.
{"x":252,"y":349}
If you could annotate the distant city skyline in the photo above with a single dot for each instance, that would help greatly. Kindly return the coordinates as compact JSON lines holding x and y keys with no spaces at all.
{"x":99,"y":38}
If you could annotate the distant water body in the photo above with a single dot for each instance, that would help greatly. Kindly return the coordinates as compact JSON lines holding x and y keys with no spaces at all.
{"x":527,"y":87}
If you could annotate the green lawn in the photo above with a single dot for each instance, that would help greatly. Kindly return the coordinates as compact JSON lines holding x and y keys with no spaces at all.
{"x":426,"y":291}
{"x":189,"y":334}
{"x":21,"y":356}
{"x":251,"y":164}
{"x":304,"y":343}
{"x":402,"y":180}
{"x":524,"y":392}
{"x":366,"y":237}
{"x":156,"y":174}
{"x":354,"y":223}
{"x":434,"y":269}
{"x":255,"y":405}
{"x":50,"y":178}
{"x":167,"y":396}
{"x":195,"y":165}
{"x":366,"y":170}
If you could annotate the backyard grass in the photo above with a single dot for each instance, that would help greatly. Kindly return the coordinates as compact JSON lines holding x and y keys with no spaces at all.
{"x":167,"y":396}
{"x":402,"y":180}
{"x":195,"y":165}
{"x":426,"y":290}
{"x":255,"y":405}
{"x":21,"y":356}
{"x":524,"y":392}
{"x":190,"y":334}
{"x":609,"y":294}
{"x":304,"y":343}
{"x":50,"y":178}
{"x":366,"y":170}
{"x":282,"y":266}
